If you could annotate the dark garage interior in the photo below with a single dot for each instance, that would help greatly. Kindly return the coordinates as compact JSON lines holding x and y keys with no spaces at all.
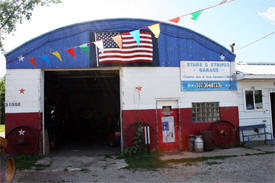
{"x":82,"y":107}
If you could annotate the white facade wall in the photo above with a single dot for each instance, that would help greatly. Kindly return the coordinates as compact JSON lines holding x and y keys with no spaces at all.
{"x":163,"y":83}
{"x":257,"y":116}
{"x":29,"y":100}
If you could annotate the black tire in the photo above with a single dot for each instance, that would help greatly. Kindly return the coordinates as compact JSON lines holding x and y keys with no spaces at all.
{"x":8,"y":169}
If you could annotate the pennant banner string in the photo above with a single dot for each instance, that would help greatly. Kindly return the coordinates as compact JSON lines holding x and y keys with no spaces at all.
{"x":57,"y":54}
{"x":32,"y":60}
{"x":46,"y":58}
{"x":71,"y":52}
{"x":117,"y":39}
{"x":136,"y":36}
{"x":84,"y":46}
{"x":196,"y":15}
{"x":175,"y":20}
{"x":155,"y":29}
{"x":99,"y":44}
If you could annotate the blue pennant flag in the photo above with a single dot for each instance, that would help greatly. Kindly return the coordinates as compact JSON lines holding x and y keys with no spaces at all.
{"x":136,"y":36}
{"x":46,"y":59}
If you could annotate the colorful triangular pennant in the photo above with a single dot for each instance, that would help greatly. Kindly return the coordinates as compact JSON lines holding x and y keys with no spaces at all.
{"x":155,"y":29}
{"x":46,"y":59}
{"x":196,"y":15}
{"x":118,"y":41}
{"x":56,"y":53}
{"x":71,"y":52}
{"x":175,"y":20}
{"x":136,"y":36}
{"x":32,"y":60}
{"x":85,"y":48}
{"x":99,"y":44}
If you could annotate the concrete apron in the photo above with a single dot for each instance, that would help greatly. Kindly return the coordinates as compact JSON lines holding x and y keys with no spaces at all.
{"x":254,"y":149}
{"x":74,"y":159}
{"x":79,"y":163}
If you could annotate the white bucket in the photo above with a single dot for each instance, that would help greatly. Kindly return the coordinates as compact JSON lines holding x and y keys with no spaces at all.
{"x":198,"y":144}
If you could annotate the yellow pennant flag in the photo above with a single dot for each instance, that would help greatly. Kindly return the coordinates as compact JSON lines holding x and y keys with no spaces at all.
{"x":118,"y":41}
{"x":57,"y":55}
{"x":155,"y":29}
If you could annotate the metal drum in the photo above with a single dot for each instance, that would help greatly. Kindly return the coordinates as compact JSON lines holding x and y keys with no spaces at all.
{"x":198,"y":144}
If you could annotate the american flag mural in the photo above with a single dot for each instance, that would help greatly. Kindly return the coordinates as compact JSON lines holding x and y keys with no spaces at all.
{"x":130,"y":51}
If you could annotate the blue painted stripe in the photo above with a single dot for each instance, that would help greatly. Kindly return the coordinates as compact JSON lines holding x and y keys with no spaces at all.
{"x":208,"y":85}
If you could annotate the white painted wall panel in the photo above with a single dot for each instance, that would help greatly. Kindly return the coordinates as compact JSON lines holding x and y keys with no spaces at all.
{"x":164,"y":82}
{"x":31,"y":81}
{"x":260,"y":116}
{"x":225,"y":98}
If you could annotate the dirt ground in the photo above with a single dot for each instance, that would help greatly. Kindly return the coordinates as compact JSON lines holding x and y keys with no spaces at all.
{"x":257,"y":164}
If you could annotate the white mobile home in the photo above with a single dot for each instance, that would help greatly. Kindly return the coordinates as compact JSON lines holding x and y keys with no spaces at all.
{"x":256,"y":95}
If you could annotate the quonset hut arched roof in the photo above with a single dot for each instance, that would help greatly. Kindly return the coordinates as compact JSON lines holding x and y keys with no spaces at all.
{"x":174,"y":44}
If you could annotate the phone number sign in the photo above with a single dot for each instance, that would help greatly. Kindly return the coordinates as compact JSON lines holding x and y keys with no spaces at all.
{"x":207,"y":75}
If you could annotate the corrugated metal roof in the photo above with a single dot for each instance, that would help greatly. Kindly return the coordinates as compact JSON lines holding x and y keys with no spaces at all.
{"x":256,"y":69}
{"x":174,"y":44}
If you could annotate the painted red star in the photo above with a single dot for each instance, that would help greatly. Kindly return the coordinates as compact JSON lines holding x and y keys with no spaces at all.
{"x":22,"y":91}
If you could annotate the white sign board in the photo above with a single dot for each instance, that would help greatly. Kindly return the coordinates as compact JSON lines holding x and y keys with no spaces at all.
{"x":207,"y":75}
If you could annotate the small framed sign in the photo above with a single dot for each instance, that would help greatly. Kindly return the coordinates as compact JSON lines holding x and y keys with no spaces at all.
{"x":166,"y":110}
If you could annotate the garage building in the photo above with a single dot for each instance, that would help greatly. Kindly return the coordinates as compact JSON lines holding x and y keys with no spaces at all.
{"x":64,"y":87}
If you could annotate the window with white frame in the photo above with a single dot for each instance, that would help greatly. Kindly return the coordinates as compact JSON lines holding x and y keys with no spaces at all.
{"x":205,"y":111}
{"x":253,"y":99}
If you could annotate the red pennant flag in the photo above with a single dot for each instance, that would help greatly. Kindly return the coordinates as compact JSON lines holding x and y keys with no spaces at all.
{"x":32,"y":60}
{"x":71,"y":52}
{"x":175,"y":20}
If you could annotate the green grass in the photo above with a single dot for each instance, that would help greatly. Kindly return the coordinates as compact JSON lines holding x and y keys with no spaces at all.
{"x":25,"y":161}
{"x":151,"y":161}
{"x":198,"y":159}
{"x":146,"y":161}
{"x":262,"y":153}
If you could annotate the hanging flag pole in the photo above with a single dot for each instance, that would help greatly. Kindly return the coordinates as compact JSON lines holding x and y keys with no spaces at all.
{"x":96,"y":52}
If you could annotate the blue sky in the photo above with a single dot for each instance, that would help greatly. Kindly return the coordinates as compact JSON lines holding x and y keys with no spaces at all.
{"x":241,"y":21}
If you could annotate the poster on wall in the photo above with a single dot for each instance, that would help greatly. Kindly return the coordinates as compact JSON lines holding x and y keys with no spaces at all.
{"x":168,"y":129}
{"x":207,"y":75}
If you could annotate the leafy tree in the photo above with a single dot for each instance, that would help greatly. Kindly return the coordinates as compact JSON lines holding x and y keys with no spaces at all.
{"x":2,"y":100}
{"x":14,"y":11}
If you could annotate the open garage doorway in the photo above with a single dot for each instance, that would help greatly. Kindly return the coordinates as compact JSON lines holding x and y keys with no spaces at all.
{"x":82,"y":109}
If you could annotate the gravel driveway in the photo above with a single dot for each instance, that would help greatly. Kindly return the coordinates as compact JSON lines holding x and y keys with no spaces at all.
{"x":254,"y":167}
